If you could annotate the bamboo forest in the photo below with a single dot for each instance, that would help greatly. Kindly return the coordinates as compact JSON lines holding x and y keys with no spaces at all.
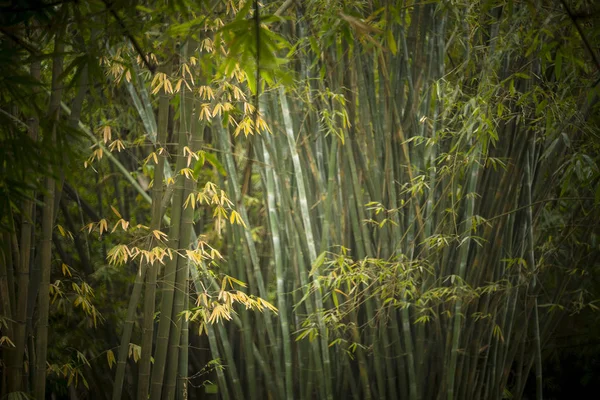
{"x":299,"y":199}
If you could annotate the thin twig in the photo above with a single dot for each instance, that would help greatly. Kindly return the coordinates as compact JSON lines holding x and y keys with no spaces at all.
{"x":134,"y":42}
{"x":582,"y":34}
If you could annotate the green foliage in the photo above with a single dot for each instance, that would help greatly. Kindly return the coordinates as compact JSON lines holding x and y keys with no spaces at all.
{"x":252,"y":47}
{"x":420,"y":202}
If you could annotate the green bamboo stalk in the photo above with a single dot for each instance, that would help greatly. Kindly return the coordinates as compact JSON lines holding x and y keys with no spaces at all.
{"x":268,"y":153}
{"x":170,"y":271}
{"x":511,"y":304}
{"x":281,"y":294}
{"x":127,"y":331}
{"x":510,"y":354}
{"x":214,"y":350}
{"x":462,"y":256}
{"x":293,"y":226}
{"x":182,"y":381}
{"x":6,"y":292}
{"x":409,"y":249}
{"x":47,"y":228}
{"x":9,"y":265}
{"x":520,"y":370}
{"x":362,"y":234}
{"x":364,"y":250}
{"x":235,"y":189}
{"x":531,"y":264}
{"x":309,"y":236}
{"x":383,"y":244}
{"x":362,"y":360}
{"x":44,"y":297}
{"x":268,"y":374}
{"x":187,"y":126}
{"x":149,"y":127}
{"x":256,"y":269}
{"x":231,"y":367}
{"x":410,"y":355}
{"x":236,"y":236}
{"x":196,"y":143}
{"x":390,"y":370}
{"x":155,"y":223}
{"x":430,"y":154}
{"x":23,"y":267}
{"x":504,"y":228}
{"x":143,"y":106}
{"x":372,"y":168}
{"x":326,"y":235}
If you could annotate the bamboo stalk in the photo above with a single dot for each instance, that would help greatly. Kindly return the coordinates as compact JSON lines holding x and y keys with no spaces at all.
{"x":214,"y":350}
{"x":463,"y":256}
{"x":309,"y":236}
{"x":19,"y":311}
{"x":155,"y":223}
{"x":231,"y":368}
{"x":293,"y":226}
{"x":47,"y":228}
{"x":182,"y":381}
{"x":532,"y":267}
{"x":254,"y":260}
{"x":6,"y":262}
{"x":169,"y":279}
{"x":281,"y":293}
{"x":187,"y":128}
{"x":127,"y":331}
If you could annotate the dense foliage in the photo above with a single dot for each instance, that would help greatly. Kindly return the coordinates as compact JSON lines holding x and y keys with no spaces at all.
{"x":299,"y":199}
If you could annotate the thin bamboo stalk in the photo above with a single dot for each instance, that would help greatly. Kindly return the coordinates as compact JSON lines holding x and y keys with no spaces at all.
{"x":326,"y":235}
{"x":127,"y":331}
{"x":255,"y":272}
{"x":532,"y":267}
{"x":309,"y":236}
{"x":187,"y":128}
{"x":47,"y":228}
{"x":297,"y":250}
{"x":155,"y":223}
{"x":246,"y":326}
{"x":182,"y":381}
{"x":462,"y":256}
{"x":214,"y":350}
{"x":196,"y":143}
{"x":281,"y":293}
{"x":7,"y":307}
{"x":169,"y":278}
{"x":268,"y":374}
{"x":23,"y":268}
{"x":231,"y":367}
{"x":142,"y":102}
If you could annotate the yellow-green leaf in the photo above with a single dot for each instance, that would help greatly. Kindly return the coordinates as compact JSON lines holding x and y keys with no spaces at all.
{"x":392,"y":42}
